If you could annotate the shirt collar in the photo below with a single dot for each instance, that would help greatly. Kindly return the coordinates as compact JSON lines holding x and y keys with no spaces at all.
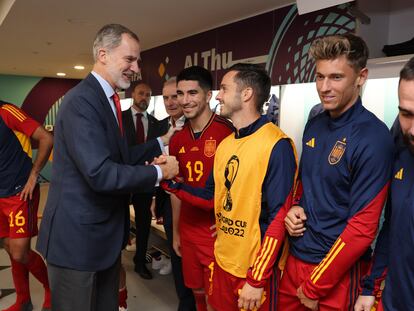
{"x":253,"y":127}
{"x":347,"y":116}
{"x":135,"y":111}
{"x":180,"y":120}
{"x":109,"y":91}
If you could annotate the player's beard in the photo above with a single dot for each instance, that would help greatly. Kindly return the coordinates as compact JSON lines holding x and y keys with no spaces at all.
{"x":143,"y":105}
{"x":409,"y":141}
{"x":227,"y":110}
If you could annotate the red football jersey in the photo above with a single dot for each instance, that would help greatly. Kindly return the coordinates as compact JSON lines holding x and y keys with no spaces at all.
{"x":196,"y":158}
{"x":17,"y":120}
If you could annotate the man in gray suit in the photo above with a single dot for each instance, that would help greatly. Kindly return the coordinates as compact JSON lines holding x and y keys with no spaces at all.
{"x":85,"y":222}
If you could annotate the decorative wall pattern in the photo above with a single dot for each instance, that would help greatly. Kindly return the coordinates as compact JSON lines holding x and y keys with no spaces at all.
{"x":279,"y":40}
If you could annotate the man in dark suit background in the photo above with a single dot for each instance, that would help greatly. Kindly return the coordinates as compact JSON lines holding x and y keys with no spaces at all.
{"x":140,"y":127}
{"x":85,"y":222}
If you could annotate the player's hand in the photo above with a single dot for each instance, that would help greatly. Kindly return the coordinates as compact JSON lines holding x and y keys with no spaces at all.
{"x":169,"y":168}
{"x":295,"y":221}
{"x":162,"y":159}
{"x":250,"y":298}
{"x":213,"y":228}
{"x":177,"y":243}
{"x":166,"y":138}
{"x":28,"y":189}
{"x":307,"y":302}
{"x":364,"y":303}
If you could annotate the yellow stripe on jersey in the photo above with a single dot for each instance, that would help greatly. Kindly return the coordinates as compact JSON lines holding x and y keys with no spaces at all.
{"x":15,"y":112}
{"x":320,"y":269}
{"x":24,"y":142}
{"x":267,"y":251}
{"x":263,"y":258}
{"x":322,"y":263}
{"x":260,"y":257}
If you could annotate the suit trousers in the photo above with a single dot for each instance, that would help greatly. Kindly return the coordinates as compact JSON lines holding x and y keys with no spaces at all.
{"x":142,"y":208}
{"x":84,"y":290}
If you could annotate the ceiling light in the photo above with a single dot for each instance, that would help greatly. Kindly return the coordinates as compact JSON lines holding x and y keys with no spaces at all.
{"x":79,"y":67}
{"x":61,"y":74}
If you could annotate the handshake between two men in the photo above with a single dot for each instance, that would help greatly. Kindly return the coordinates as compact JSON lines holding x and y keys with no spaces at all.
{"x":167,"y":163}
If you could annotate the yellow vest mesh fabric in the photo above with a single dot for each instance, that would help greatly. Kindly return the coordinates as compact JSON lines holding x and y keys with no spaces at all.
{"x":240,"y":167}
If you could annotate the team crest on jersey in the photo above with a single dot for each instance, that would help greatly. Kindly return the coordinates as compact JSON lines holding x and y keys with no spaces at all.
{"x":209,"y":147}
{"x":337,"y":152}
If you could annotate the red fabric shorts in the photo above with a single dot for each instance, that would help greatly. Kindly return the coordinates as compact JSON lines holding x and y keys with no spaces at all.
{"x":342,"y":296}
{"x":196,"y":258}
{"x":380,"y":307}
{"x":224,"y":290}
{"x":18,"y":219}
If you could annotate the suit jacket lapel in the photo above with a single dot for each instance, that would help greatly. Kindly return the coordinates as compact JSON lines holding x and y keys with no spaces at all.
{"x":129,"y":126}
{"x":110,"y":117}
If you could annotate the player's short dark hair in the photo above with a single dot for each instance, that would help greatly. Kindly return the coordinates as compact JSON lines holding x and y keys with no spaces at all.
{"x":199,"y":74}
{"x":407,"y":72}
{"x":331,"y":47}
{"x":256,"y":77}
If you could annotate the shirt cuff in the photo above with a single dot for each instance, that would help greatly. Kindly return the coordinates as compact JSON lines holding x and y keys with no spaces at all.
{"x":159,"y":175}
{"x":161,"y":144}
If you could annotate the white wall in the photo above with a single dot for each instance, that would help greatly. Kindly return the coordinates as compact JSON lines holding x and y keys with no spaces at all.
{"x":379,"y":96}
{"x":296,"y":100}
{"x":401,"y":27}
{"x":376,"y":33}
{"x":392,"y":22}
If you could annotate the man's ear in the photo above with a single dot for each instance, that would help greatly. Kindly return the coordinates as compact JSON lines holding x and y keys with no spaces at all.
{"x":362,"y":77}
{"x":247,"y":94}
{"x":102,"y":56}
{"x":209,"y":95}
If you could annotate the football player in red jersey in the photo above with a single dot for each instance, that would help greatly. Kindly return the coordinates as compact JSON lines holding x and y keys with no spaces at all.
{"x":250,"y":190}
{"x":19,"y":199}
{"x":195,"y":147}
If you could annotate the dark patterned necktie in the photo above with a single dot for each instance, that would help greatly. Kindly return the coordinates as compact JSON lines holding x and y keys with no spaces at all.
{"x":139,"y":128}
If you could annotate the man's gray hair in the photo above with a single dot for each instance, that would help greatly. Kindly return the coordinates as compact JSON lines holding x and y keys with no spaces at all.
{"x":110,"y":37}
{"x":172,"y":80}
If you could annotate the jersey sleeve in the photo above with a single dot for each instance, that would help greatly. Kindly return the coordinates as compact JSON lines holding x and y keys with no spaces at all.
{"x":278,"y":192}
{"x":172,"y":147}
{"x":371,"y":283}
{"x":17,"y":120}
{"x":202,"y":198}
{"x":370,"y":168}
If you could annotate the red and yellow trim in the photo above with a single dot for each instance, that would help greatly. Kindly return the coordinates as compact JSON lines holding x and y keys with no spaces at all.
{"x":326,"y":262}
{"x":262,"y":260}
{"x":15,"y":112}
